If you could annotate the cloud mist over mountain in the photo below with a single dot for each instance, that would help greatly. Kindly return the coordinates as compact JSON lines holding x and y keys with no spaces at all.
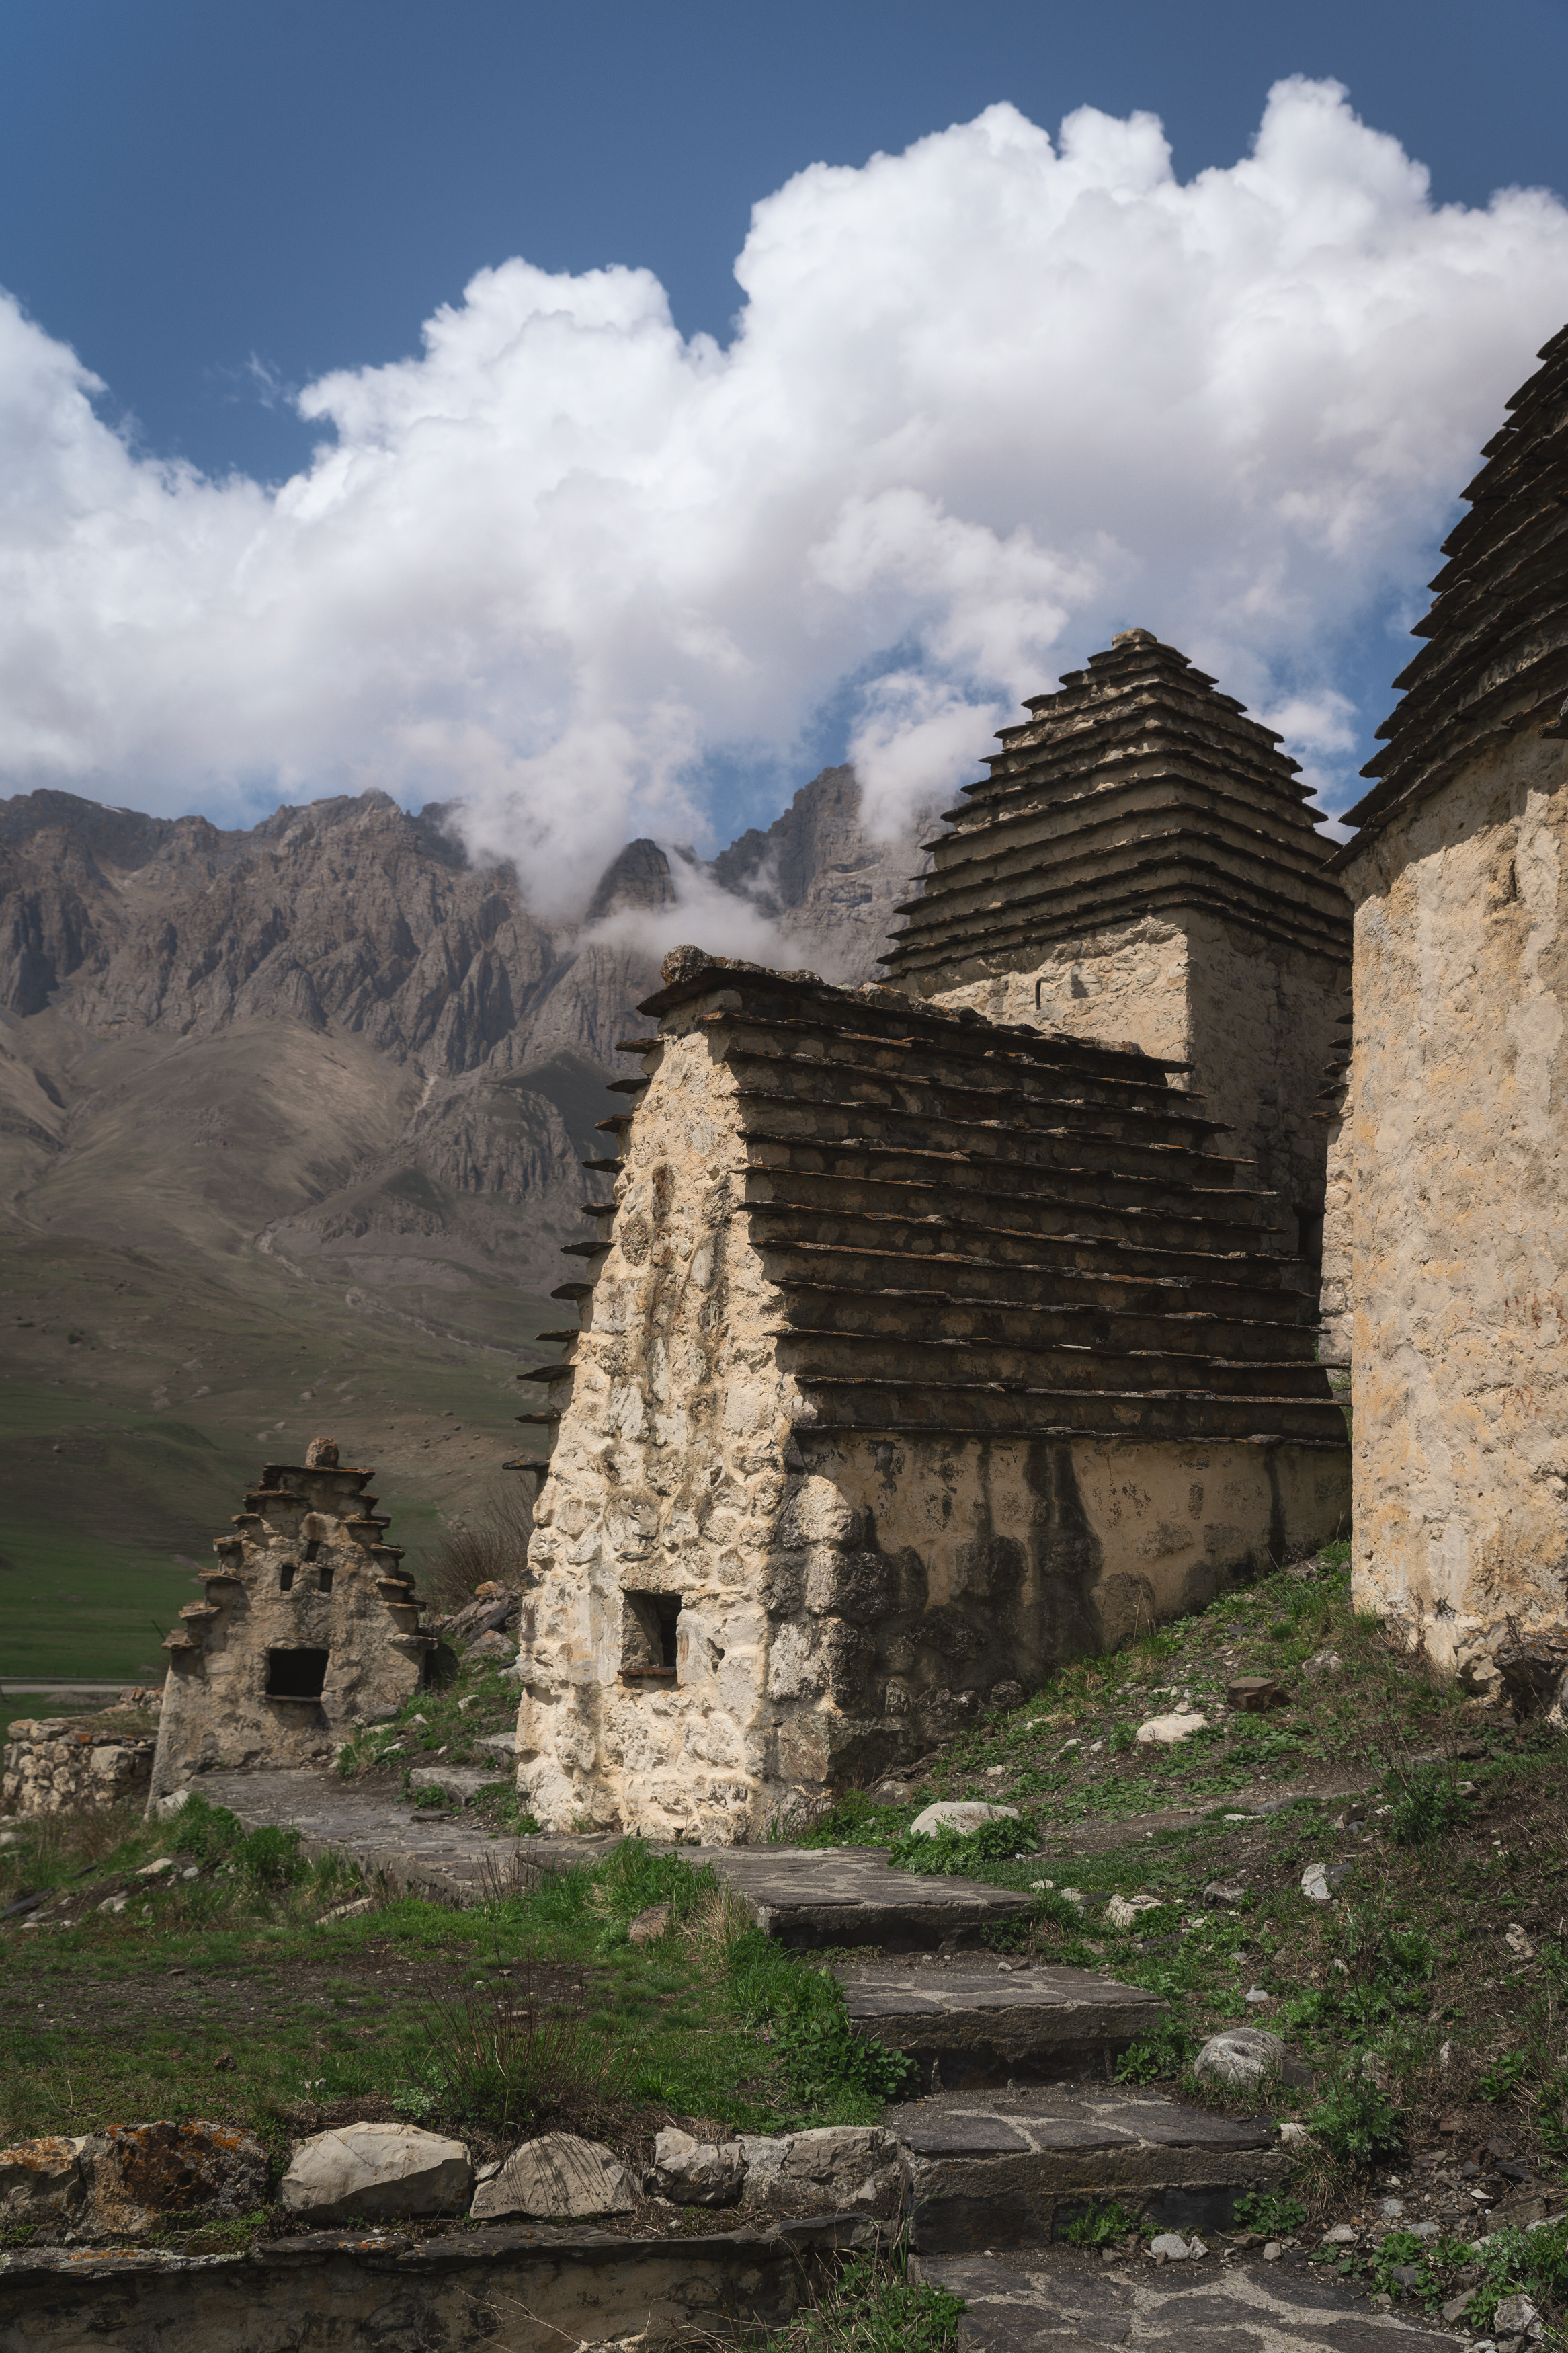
{"x":986,"y":401}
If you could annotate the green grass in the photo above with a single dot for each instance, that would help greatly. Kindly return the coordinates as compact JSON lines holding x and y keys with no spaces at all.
{"x":141,"y":1397}
{"x":226,"y":1995}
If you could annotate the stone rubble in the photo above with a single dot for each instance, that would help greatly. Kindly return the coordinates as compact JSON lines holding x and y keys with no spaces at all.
{"x":377,"y":2170}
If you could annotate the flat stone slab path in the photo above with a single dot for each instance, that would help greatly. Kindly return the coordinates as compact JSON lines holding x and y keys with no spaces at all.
{"x":972,"y":2022}
{"x":1008,"y":2169}
{"x":1243,"y":2305}
{"x":804,"y":1896}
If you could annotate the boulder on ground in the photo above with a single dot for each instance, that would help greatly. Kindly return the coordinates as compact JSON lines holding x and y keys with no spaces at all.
{"x":556,"y":2179}
{"x":137,"y":2175}
{"x":375,"y":2171}
{"x":836,"y":2169}
{"x":691,"y":2172}
{"x":1165,"y":1729}
{"x":649,"y":1925}
{"x":1240,"y":2057}
{"x":960,"y":1814}
{"x":1125,"y":1911}
{"x":41,"y":2180}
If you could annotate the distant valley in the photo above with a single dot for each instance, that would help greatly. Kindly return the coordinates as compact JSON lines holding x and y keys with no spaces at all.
{"x":290,"y":1126}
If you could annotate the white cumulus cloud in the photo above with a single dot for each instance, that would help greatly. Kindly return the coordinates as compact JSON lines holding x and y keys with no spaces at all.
{"x":987,"y":400}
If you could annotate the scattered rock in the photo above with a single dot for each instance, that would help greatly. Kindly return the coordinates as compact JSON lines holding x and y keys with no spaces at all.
{"x":375,"y":2171}
{"x":556,"y":2179}
{"x":1342,"y":2235}
{"x":135,"y":2175}
{"x":1006,"y":1696}
{"x":960,"y":1814}
{"x":649,"y":1925}
{"x":1272,"y":2251}
{"x":348,"y":1911}
{"x":156,"y":1870}
{"x":839,"y":2168}
{"x":1323,"y":1662}
{"x":1124,"y":1911}
{"x":1391,"y":2209}
{"x":1458,"y":2306}
{"x":1258,"y":1996}
{"x":1320,"y":1880}
{"x":1518,"y":1941}
{"x":492,"y":1646}
{"x":1243,"y":2055}
{"x":1170,"y":2247}
{"x":1226,"y":1893}
{"x":1293,"y":2135}
{"x":1513,"y":2316}
{"x":1169,"y":1728}
{"x":165,"y":1809}
{"x":41,"y":2180}
{"x":691,"y":2172}
{"x":1253,"y":1693}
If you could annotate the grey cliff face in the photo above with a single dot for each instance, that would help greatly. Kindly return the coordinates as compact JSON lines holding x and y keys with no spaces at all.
{"x":449,"y":1042}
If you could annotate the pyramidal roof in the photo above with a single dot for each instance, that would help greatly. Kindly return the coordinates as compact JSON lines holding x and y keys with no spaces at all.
{"x":1135,"y":786}
{"x":1496,"y":656}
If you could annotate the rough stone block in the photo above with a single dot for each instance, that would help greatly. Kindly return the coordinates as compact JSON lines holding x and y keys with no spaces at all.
{"x":376,"y":2170}
{"x":556,"y":2178}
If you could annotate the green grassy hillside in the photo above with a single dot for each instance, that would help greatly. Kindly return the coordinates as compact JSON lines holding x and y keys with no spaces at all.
{"x":139,"y":1395}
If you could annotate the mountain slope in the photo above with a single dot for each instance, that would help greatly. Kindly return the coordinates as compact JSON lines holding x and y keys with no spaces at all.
{"x":315,"y":1091}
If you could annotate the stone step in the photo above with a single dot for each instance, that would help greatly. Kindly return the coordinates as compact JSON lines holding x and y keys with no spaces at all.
{"x":1201,"y":2305}
{"x":968,"y":2024}
{"x":1012,"y":2169}
{"x":810,"y":1898}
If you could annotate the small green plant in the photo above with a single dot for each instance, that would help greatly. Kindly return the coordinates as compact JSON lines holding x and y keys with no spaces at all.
{"x":1122,"y":1738}
{"x":1269,"y":2210}
{"x":1100,"y":2226}
{"x":1504,"y":2076}
{"x":871,"y":2305}
{"x":1424,"y":1801}
{"x":205,"y":1832}
{"x":822,"y":2054}
{"x":1355,"y":2120}
{"x":1155,"y":2058}
{"x":270,"y":1858}
{"x":949,"y":1852}
{"x":429,"y":1796}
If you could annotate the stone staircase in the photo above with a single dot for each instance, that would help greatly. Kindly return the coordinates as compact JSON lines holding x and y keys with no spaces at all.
{"x":1018,"y":2126}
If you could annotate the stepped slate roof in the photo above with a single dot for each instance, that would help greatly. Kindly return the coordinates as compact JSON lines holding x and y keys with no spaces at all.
{"x":1135,"y":786}
{"x":1496,"y":657}
{"x":982,"y":1230}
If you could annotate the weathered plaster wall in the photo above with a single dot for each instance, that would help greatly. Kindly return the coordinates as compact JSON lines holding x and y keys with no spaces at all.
{"x":1125,"y":985}
{"x":1458,"y":1125}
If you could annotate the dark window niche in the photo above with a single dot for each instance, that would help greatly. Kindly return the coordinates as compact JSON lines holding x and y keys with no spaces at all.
{"x":323,"y":1581}
{"x":649,"y":1637}
{"x":286,"y":1577}
{"x":312,"y":1547}
{"x":296,"y":1675}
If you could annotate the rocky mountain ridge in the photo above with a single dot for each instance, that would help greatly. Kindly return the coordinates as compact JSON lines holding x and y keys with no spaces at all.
{"x":331,"y":1038}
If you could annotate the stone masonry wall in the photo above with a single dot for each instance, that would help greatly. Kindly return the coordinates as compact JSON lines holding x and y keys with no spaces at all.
{"x":1254,"y":1018}
{"x":845,"y":1598}
{"x":666,"y":1481}
{"x":1459,"y":1125}
{"x":60,"y":1766}
{"x":309,"y":1627}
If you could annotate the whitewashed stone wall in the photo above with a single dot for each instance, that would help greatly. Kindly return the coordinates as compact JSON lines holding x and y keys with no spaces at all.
{"x":1458,"y":1114}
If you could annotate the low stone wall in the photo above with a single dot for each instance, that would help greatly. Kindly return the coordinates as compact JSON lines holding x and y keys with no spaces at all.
{"x":530,"y":2290}
{"x":63,"y":1766}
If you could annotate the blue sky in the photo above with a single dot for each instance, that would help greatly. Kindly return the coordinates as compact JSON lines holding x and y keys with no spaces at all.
{"x":214,"y":206}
